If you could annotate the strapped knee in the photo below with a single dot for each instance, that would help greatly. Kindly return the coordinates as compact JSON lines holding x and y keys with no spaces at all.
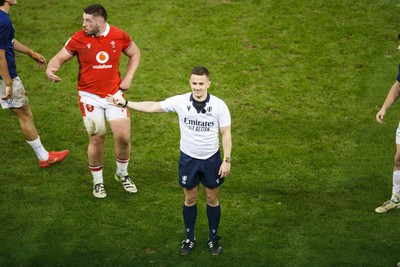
{"x":95,"y":125}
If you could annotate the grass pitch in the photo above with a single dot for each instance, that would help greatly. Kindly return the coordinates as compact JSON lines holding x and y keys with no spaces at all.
{"x":303,"y":81}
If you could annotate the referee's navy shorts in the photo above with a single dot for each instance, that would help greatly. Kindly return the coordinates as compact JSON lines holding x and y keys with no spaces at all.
{"x":193,"y":171}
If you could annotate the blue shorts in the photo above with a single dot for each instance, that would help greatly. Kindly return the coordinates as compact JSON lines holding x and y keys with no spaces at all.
{"x":193,"y":171}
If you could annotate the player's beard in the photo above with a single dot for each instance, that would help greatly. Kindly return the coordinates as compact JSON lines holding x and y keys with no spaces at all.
{"x":94,"y":32}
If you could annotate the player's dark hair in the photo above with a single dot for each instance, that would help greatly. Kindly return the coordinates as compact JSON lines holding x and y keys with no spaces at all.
{"x":199,"y":70}
{"x":96,"y":10}
{"x":2,"y":2}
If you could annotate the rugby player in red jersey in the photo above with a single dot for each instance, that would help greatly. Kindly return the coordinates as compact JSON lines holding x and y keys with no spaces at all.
{"x":98,"y":48}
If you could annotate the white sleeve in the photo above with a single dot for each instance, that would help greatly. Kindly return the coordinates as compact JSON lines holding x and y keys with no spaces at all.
{"x":224,"y":116}
{"x":168,"y":104}
{"x":171,"y":104}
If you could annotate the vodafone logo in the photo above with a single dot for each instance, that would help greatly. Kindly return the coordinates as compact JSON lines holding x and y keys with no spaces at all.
{"x":102,"y":57}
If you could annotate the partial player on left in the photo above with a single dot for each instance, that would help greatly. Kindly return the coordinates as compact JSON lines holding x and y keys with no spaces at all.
{"x":12,"y":92}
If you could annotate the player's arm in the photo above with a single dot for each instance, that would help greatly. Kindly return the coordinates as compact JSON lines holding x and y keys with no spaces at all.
{"x":27,"y":51}
{"x":145,"y":106}
{"x":55,"y":64}
{"x":225,"y":168}
{"x":392,"y":96}
{"x":133,"y":53}
{"x":5,"y":75}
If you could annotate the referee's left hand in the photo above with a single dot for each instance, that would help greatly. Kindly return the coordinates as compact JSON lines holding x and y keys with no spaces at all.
{"x":225,"y":169}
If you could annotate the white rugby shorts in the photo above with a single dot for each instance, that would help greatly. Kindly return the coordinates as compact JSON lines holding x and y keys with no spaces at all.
{"x":95,"y":110}
{"x":398,"y":135}
{"x":18,"y":96}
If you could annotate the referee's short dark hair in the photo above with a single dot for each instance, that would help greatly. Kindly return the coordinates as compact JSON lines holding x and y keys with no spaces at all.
{"x":200,"y":70}
{"x":2,"y":2}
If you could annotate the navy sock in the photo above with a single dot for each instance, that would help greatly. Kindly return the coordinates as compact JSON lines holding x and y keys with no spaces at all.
{"x":214,"y":216}
{"x":189,"y":218}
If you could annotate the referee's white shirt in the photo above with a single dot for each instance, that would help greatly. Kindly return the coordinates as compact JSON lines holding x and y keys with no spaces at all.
{"x":199,"y":131}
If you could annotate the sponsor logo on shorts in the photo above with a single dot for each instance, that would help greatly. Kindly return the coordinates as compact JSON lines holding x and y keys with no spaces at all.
{"x":184,"y":179}
{"x":89,"y":108}
{"x":9,"y":101}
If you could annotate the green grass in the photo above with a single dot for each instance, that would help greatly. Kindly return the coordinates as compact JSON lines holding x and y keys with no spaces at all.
{"x":303,"y":80}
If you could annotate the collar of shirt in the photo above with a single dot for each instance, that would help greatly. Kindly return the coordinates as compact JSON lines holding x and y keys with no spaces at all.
{"x":106,"y":31}
{"x":199,"y":106}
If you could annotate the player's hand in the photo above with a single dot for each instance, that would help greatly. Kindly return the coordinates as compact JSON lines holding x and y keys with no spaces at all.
{"x":51,"y":75}
{"x":8,"y":93}
{"x":114,"y":101}
{"x":125,"y":84}
{"x":225,"y":169}
{"x":39,"y":59}
{"x":380,"y":115}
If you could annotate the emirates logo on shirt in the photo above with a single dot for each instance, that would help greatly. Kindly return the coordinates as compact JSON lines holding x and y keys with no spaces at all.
{"x":102,"y":57}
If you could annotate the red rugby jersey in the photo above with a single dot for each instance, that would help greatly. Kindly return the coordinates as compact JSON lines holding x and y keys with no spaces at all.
{"x":98,"y":58}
